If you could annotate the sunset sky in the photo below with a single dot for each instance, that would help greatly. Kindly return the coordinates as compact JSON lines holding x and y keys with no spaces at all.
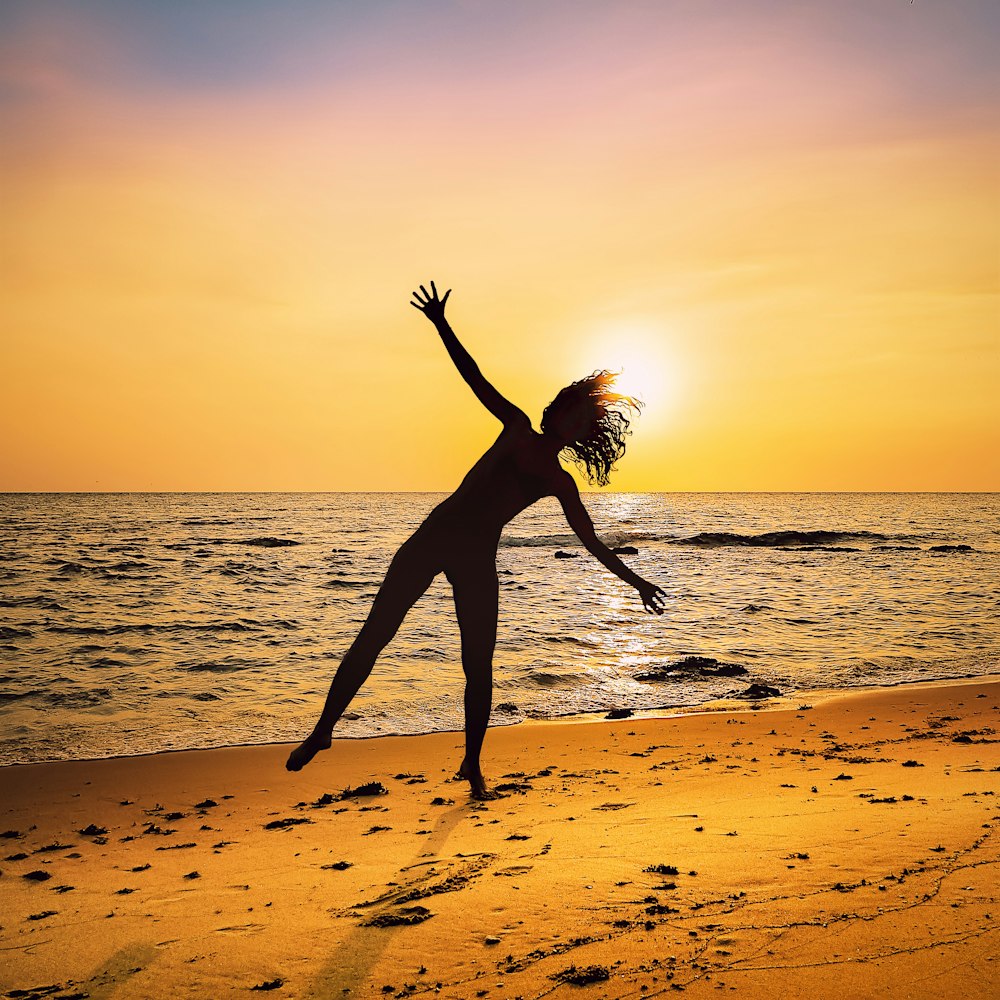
{"x":781,"y":218}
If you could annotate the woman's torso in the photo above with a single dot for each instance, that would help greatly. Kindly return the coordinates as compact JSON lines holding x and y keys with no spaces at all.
{"x":518,"y":469}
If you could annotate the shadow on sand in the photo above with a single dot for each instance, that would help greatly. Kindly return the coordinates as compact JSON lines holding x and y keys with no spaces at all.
{"x":350,"y":966}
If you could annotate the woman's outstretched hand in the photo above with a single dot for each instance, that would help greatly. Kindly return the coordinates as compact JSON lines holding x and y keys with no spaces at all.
{"x":429,"y":303}
{"x":652,"y":597}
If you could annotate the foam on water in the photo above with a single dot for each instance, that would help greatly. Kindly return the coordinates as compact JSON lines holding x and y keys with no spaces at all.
{"x":132,"y":623}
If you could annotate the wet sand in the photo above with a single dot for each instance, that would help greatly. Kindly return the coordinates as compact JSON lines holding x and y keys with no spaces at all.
{"x":849,"y":849}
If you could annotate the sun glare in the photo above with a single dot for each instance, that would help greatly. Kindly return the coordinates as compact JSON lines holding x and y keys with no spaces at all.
{"x":641,"y":358}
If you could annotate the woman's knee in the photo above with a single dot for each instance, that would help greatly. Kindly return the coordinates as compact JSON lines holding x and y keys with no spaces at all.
{"x":376,"y":633}
{"x":478,"y":675}
{"x":408,"y":576}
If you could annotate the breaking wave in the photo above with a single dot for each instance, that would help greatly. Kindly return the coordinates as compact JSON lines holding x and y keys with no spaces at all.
{"x":817,"y":538}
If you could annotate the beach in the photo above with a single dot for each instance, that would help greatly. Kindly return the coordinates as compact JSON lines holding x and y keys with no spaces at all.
{"x":845,"y":847}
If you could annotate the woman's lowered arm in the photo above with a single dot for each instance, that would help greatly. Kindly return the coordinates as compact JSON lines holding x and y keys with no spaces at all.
{"x":579,"y":520}
{"x":433,"y":308}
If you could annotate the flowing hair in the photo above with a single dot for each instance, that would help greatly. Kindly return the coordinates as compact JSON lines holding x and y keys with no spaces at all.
{"x":604,"y":443}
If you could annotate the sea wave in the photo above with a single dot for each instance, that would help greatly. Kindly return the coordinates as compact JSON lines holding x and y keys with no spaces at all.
{"x":519,"y":541}
{"x":6,"y":632}
{"x":227,"y":666}
{"x":789,"y":538}
{"x":247,"y":625}
{"x":548,"y":679}
{"x":46,"y":603}
{"x":779,"y":539}
{"x":264,"y":542}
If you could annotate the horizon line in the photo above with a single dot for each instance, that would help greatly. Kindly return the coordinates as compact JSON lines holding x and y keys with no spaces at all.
{"x":183,"y":492}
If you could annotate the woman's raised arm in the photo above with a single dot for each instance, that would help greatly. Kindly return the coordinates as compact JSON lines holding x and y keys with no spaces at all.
{"x":433,"y":308}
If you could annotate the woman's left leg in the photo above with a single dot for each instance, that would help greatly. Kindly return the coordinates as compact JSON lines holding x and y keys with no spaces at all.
{"x":410,"y":573}
{"x":476,"y":598}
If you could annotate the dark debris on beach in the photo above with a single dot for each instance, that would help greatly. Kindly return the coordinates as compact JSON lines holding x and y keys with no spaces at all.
{"x":692,"y":668}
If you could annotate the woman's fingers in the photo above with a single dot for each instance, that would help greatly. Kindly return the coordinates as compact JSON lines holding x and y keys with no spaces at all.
{"x":423,"y":299}
{"x":653,"y":601}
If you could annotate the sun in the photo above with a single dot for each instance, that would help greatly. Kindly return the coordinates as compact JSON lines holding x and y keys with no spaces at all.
{"x":641,"y":355}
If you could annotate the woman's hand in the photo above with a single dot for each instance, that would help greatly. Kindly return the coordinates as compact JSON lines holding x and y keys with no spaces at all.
{"x":652,"y":597}
{"x":429,"y":303}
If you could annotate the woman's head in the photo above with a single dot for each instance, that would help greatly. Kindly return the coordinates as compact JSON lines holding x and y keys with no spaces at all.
{"x":591,"y":422}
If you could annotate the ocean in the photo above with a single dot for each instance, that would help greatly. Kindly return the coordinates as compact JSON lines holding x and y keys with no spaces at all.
{"x":135,"y":623}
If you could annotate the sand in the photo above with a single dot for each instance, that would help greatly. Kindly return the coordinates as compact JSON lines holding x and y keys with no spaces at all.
{"x":849,"y":849}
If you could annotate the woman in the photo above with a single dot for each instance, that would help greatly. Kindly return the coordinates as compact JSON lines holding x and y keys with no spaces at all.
{"x":459,"y":538}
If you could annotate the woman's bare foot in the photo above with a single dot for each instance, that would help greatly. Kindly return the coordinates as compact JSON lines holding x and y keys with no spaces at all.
{"x":306,"y":750}
{"x":475,"y":778}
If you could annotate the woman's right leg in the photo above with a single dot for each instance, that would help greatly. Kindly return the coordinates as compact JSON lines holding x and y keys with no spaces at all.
{"x":410,"y":573}
{"x":474,"y":580}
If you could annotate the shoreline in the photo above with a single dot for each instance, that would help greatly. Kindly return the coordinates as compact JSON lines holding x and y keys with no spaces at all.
{"x":716,"y":706}
{"x":848,"y":848}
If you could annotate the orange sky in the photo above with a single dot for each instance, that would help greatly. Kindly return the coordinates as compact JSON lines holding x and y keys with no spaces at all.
{"x":783,"y":220}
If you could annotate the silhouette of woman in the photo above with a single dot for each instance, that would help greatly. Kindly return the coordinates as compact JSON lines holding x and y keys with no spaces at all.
{"x":459,"y":538}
